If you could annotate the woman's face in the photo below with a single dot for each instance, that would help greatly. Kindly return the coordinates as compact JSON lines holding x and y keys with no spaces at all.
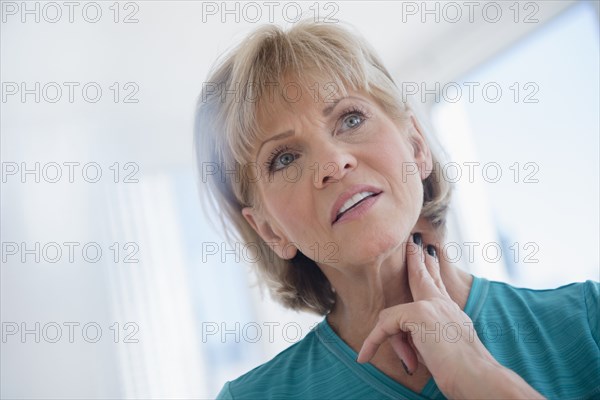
{"x":313,"y":155}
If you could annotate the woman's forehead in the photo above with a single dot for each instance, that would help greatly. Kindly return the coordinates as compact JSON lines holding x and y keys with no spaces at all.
{"x":296,"y":100}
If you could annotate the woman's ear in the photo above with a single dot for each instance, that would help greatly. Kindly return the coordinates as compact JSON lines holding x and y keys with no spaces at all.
{"x":423,"y":156}
{"x":275,"y":240}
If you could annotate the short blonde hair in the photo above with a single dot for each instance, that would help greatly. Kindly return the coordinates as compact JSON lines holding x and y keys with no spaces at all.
{"x":227,"y":131}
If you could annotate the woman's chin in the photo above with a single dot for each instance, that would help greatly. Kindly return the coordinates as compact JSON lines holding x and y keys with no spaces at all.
{"x":373,"y":248}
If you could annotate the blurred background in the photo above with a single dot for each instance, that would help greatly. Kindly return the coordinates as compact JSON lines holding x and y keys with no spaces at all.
{"x":113,"y":283}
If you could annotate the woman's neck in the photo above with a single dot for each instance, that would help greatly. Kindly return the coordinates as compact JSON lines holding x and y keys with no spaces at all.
{"x":361,"y":295}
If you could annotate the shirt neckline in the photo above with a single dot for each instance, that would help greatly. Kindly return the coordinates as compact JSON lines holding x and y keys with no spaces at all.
{"x":375,"y":377}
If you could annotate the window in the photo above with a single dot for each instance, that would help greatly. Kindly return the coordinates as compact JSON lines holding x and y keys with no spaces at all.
{"x":535,"y":188}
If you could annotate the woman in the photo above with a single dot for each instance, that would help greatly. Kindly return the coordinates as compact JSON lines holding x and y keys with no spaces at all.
{"x":329,"y":175}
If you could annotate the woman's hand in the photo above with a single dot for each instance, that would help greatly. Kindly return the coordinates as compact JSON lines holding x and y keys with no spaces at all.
{"x":436,"y":331}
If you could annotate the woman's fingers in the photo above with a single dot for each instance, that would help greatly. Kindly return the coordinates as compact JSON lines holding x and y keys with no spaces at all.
{"x":401,"y":345}
{"x":412,"y":344}
{"x":420,"y":280}
{"x":385,"y":328}
{"x":433,"y":266}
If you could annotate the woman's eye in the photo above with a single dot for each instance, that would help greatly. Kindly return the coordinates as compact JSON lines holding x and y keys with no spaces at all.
{"x":286,"y":158}
{"x":353,"y":120}
{"x":280,"y":159}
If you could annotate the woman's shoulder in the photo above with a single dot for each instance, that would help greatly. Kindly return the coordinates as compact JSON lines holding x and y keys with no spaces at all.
{"x":550,"y":337}
{"x":574,"y":305}
{"x":486,"y":292}
{"x":563,"y":297}
{"x":493,"y":300}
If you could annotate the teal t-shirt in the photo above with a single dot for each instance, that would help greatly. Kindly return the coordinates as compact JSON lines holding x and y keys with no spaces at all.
{"x":549,"y":337}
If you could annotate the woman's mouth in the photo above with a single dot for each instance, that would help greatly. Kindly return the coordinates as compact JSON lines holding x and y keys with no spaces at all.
{"x":356,"y":206}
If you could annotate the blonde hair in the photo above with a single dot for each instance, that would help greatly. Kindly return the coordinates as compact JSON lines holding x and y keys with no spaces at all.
{"x":227,"y":131}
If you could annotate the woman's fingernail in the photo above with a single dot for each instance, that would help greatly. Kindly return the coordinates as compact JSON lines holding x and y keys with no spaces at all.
{"x":418,"y":239}
{"x":358,"y":356}
{"x":431,"y":251}
{"x":406,"y":368}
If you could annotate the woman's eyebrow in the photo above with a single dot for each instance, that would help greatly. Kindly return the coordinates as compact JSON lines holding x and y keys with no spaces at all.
{"x":327,"y":110}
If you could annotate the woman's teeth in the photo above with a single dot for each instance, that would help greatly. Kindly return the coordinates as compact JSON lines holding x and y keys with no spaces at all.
{"x":352,"y":201}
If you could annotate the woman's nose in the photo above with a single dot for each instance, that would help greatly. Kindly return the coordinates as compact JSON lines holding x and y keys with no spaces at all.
{"x":333,"y":162}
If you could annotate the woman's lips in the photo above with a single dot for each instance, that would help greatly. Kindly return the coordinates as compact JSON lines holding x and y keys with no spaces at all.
{"x":347,"y":194}
{"x":358,"y":210}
